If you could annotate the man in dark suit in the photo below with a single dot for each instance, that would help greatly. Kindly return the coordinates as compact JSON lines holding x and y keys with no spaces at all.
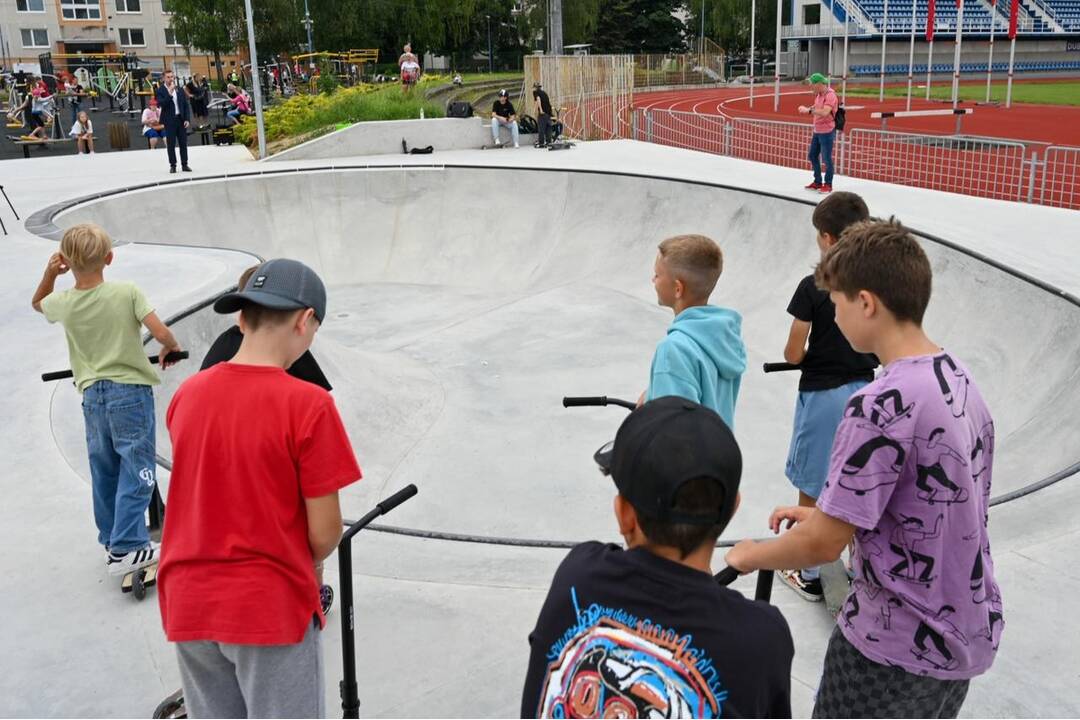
{"x":175,"y":111}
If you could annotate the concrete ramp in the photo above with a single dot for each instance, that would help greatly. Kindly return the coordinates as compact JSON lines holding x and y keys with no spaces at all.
{"x":466,"y":301}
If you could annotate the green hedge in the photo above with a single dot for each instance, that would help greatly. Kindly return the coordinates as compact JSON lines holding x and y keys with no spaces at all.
{"x":302,"y":114}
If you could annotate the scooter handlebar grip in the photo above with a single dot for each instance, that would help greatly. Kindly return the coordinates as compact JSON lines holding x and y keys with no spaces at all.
{"x":397,"y":498}
{"x":779,"y":367}
{"x":726,"y":576}
{"x":584,"y":401}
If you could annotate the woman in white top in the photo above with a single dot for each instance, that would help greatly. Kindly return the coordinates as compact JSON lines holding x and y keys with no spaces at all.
{"x":83,"y":132}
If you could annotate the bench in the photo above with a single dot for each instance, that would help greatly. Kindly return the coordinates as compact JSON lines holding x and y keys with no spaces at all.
{"x":27,"y":143}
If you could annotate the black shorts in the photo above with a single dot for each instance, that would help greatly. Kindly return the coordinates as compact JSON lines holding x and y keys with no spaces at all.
{"x":37,"y":120}
{"x":854,"y":687}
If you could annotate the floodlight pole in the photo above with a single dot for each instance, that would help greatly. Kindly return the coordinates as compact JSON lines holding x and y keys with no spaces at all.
{"x":307,"y":23}
{"x":256,"y":86}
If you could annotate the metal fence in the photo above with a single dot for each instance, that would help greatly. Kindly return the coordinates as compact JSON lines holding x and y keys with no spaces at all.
{"x":1061,"y":177}
{"x":594,"y":92}
{"x":984,"y":167}
{"x":972,"y":166}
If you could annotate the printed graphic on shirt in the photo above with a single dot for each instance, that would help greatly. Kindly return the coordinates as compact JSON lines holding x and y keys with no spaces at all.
{"x":913,"y":566}
{"x":954,"y":384}
{"x":611,"y":663}
{"x":930,"y":646}
{"x":935,"y":463}
{"x":988,"y":595}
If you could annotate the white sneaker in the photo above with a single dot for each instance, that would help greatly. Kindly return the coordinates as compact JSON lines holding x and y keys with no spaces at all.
{"x":132,"y":561}
{"x":516,"y":145}
{"x":498,"y":143}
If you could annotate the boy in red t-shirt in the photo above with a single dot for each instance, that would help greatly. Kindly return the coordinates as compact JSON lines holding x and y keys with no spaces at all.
{"x":258,"y":459}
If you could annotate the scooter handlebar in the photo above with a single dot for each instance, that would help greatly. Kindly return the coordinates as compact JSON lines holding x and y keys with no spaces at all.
{"x":397,"y":498}
{"x":584,"y":401}
{"x":780,"y":367}
{"x":61,"y":374}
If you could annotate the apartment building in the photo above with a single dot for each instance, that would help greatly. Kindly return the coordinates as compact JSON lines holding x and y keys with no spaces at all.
{"x":29,"y":28}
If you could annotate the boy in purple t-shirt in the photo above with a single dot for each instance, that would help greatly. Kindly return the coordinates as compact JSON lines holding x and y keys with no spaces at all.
{"x":909,"y":480}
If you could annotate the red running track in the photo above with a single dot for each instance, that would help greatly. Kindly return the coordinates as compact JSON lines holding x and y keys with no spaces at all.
{"x":985,"y":169}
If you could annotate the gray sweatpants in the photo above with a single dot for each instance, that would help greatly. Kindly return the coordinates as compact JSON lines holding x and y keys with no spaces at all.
{"x":257,"y":681}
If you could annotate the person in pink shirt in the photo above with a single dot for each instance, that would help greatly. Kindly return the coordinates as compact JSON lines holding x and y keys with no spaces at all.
{"x":240,"y":103}
{"x":823,"y":112}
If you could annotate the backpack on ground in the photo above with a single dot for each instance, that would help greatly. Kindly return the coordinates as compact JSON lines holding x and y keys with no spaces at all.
{"x":459,"y":109}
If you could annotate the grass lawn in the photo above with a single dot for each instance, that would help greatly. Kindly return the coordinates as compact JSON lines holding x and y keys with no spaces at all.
{"x":1037,"y":93}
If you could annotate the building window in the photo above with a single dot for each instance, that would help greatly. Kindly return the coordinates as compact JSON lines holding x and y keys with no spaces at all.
{"x":35,"y":38}
{"x":30,"y":5}
{"x":170,"y":38}
{"x":128,"y":6}
{"x":80,"y":9}
{"x":132,"y":37}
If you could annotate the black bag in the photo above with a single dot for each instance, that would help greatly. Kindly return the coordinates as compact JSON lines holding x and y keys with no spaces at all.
{"x":840,"y":117}
{"x":459,"y":109}
{"x":527,"y":125}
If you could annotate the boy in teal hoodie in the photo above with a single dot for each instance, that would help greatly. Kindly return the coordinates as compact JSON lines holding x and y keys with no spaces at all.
{"x":703,"y":356}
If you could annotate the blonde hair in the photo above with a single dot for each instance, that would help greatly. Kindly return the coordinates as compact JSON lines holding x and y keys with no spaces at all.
{"x":85,"y":247}
{"x":696,"y":260}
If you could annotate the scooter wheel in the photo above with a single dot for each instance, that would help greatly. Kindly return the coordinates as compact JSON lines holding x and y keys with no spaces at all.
{"x":171,"y":707}
{"x":138,"y":585}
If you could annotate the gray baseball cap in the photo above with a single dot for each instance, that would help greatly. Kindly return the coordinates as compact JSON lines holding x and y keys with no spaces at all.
{"x":281,"y":284}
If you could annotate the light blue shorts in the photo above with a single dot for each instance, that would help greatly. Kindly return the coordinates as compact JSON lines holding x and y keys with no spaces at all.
{"x":817,"y":415}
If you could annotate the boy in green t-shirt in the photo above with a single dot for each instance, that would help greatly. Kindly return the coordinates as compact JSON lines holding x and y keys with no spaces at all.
{"x":101,"y":321}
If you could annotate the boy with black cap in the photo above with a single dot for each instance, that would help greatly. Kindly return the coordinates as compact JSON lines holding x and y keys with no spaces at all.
{"x":258,"y":459}
{"x":647,"y":631}
{"x":503,"y":113}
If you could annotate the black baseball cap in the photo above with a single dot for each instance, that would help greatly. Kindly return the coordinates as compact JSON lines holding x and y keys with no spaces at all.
{"x":280,"y":284}
{"x":666,"y":443}
{"x":503,"y":93}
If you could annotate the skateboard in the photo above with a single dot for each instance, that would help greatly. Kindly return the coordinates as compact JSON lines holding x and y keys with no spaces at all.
{"x":500,"y":146}
{"x":136,"y":582}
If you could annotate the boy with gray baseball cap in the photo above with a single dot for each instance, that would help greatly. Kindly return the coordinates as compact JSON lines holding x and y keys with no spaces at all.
{"x":258,"y":459}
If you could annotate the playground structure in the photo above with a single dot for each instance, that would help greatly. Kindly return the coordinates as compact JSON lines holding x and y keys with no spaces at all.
{"x":343,"y":64}
{"x":117,"y":77}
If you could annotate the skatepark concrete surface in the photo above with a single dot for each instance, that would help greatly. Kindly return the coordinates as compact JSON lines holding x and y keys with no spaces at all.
{"x":468,"y":292}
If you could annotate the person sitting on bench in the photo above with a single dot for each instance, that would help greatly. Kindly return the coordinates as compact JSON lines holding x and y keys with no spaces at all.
{"x":503,"y":113}
{"x":152,"y":126}
{"x":83,"y":133}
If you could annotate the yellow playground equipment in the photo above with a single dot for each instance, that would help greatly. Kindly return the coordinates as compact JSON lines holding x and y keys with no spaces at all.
{"x":115,"y":76}
{"x":342,"y":62}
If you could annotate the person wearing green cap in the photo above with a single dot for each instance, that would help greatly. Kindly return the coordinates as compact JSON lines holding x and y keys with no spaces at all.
{"x":821,"y":146}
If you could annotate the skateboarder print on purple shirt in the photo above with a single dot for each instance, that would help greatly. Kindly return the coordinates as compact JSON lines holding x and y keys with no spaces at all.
{"x":911,"y":469}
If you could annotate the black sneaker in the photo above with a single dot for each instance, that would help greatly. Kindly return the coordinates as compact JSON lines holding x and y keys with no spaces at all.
{"x":807,"y":589}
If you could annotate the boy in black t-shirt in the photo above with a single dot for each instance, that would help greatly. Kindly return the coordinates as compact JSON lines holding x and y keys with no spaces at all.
{"x":831,"y":373}
{"x":503,"y":113}
{"x":543,"y":115}
{"x":647,"y":631}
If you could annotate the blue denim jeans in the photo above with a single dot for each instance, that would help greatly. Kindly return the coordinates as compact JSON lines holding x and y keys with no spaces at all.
{"x":822,"y":145}
{"x":120,"y":439}
{"x":498,"y":122}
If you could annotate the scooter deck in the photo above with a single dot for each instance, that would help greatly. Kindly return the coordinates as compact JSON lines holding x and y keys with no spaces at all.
{"x":149,"y":578}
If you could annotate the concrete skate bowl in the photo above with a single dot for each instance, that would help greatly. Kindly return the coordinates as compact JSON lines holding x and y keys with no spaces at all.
{"x":466,"y":301}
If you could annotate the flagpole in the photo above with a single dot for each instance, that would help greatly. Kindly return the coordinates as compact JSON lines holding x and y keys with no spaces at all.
{"x":1013,"y":10}
{"x":959,"y":37}
{"x":990,"y":62}
{"x":753,"y":26}
{"x":930,"y":39}
{"x":776,"y":88}
{"x":884,"y":37}
{"x":911,"y":56}
{"x":843,"y":98}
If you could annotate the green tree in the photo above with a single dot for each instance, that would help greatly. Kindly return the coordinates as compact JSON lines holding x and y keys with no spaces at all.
{"x":213,"y":26}
{"x":727,"y":23}
{"x":639,"y":26}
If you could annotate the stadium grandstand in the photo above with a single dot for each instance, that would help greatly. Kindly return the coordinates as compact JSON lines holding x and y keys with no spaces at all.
{"x":1047,"y":33}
